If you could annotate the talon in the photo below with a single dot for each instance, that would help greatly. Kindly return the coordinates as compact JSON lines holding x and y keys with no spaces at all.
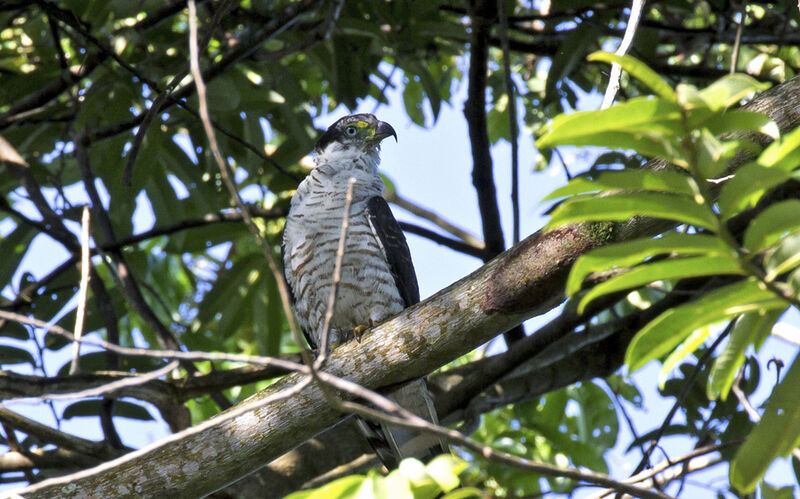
{"x":357,"y":332}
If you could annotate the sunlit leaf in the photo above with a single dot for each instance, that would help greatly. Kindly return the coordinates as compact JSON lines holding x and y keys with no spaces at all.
{"x":713,"y":154}
{"x":687,"y":347}
{"x":740,"y":120}
{"x":638,"y":70}
{"x":729,"y":90}
{"x":342,"y":488}
{"x":629,"y":253}
{"x":784,"y":258}
{"x":771,"y":224}
{"x":747,"y":186}
{"x":619,"y":207}
{"x":636,"y":116}
{"x":674,"y":268}
{"x":669,"y":329}
{"x":670,"y":181}
{"x":783,"y":154}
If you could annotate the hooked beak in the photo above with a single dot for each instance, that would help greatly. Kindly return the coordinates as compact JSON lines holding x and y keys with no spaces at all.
{"x":384,"y":130}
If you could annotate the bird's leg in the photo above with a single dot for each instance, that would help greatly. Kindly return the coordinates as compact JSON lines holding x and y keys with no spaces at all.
{"x":358,"y":331}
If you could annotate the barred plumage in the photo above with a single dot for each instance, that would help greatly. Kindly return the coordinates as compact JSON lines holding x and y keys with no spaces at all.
{"x":377,"y":279}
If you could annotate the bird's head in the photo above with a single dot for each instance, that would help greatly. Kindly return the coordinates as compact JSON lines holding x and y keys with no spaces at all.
{"x":363,"y":132}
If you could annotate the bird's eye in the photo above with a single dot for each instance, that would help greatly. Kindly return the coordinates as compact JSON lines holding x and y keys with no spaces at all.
{"x":350,"y":131}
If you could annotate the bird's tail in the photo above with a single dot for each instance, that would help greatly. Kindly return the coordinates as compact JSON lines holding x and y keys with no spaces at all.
{"x":392,"y":443}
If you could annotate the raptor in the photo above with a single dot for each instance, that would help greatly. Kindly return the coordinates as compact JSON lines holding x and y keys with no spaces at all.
{"x":377,"y":275}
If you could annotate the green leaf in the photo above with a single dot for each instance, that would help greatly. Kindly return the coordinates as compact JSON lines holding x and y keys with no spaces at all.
{"x":675,"y":268}
{"x":775,"y":436}
{"x":669,"y":329}
{"x":464,"y":493}
{"x":430,"y":87}
{"x":713,"y":155}
{"x":751,"y":329}
{"x":783,"y":154}
{"x":375,"y":486}
{"x":747,"y":187}
{"x":13,"y":247}
{"x":636,"y":116}
{"x":570,"y":52}
{"x":629,"y":253}
{"x":91,"y":408}
{"x":771,"y":224}
{"x":784,"y":258}
{"x":620,"y":207}
{"x":738,"y":120}
{"x":341,"y":488}
{"x":688,"y":346}
{"x":771,"y":492}
{"x":13,"y":355}
{"x":445,"y":471}
{"x":675,"y":182}
{"x":412,"y":100}
{"x":729,"y":90}
{"x":638,"y":70}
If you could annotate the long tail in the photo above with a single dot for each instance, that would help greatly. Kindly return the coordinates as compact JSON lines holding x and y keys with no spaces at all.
{"x":392,"y":443}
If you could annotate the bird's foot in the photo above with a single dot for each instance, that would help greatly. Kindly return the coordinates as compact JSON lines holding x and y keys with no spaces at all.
{"x":358,"y":331}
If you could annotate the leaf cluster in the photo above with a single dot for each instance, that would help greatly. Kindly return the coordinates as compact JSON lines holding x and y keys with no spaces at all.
{"x":727,"y":226}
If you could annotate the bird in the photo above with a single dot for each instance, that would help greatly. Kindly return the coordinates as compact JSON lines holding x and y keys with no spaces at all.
{"x":377,"y":278}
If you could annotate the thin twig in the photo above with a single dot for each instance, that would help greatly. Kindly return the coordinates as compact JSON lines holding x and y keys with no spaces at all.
{"x":337,"y":276}
{"x":83,"y":291}
{"x":395,"y":198}
{"x":625,"y":44}
{"x":226,"y":177}
{"x":50,"y":435}
{"x":737,"y":391}
{"x":101,"y":390}
{"x":397,"y":415}
{"x":161,"y":99}
{"x":512,"y":118}
{"x":687,"y":386}
{"x":157,"y":354}
{"x":738,"y":40}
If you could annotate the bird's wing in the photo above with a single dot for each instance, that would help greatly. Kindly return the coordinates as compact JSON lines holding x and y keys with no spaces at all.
{"x":395,"y":248}
{"x":393,"y":443}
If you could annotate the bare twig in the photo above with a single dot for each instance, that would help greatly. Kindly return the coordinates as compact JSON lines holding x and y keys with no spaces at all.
{"x":103,"y":389}
{"x":83,"y":290}
{"x":395,"y":198}
{"x":56,"y":437}
{"x":512,"y":118}
{"x":687,"y":386}
{"x":625,"y":44}
{"x":226,"y":177}
{"x":738,"y":40}
{"x":157,"y":354}
{"x":453,"y":244}
{"x":482,"y":14}
{"x":161,"y":99}
{"x":337,"y":276}
{"x":397,"y":415}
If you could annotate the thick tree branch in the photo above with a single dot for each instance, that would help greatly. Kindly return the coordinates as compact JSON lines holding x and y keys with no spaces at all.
{"x":428,"y":335}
